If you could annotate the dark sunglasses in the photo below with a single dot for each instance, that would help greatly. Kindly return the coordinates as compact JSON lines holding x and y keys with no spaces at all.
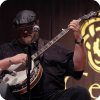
{"x":26,"y":28}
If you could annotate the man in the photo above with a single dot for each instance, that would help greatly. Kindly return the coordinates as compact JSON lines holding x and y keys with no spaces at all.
{"x":57,"y":62}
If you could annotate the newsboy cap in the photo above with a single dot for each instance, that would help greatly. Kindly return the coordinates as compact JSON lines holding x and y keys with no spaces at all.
{"x":24,"y":17}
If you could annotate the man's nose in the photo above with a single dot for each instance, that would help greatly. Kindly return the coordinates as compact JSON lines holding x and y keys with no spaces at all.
{"x":25,"y":31}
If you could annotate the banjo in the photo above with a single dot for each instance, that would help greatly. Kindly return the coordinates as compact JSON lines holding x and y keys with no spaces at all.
{"x":18,"y":81}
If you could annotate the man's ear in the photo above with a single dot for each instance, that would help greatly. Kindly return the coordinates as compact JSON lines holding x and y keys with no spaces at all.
{"x":37,"y":22}
{"x":14,"y":28}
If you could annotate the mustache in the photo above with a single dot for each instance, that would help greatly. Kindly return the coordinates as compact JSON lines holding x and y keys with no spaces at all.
{"x":26,"y":34}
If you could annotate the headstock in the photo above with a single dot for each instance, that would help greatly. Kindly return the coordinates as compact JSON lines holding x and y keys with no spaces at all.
{"x":90,"y":15}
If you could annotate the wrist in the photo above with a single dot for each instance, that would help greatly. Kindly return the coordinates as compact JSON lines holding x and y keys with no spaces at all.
{"x":79,"y":41}
{"x":10,"y":61}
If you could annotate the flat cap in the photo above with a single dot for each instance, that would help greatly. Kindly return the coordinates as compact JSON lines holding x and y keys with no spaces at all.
{"x":24,"y":17}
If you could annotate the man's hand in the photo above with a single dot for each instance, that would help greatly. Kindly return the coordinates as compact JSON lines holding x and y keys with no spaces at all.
{"x":19,"y":58}
{"x":74,"y":25}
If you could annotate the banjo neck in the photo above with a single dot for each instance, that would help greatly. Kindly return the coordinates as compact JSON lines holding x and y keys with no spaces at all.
{"x":60,"y":35}
{"x":52,"y":42}
{"x":49,"y":44}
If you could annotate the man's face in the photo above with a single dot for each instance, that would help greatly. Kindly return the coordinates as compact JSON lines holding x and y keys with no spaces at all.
{"x":25,"y":33}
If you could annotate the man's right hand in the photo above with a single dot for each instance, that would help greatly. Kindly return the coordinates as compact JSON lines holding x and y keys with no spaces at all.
{"x":19,"y":58}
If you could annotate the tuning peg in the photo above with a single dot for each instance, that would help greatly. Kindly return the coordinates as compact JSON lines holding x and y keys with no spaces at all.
{"x":95,"y":18}
{"x":88,"y":21}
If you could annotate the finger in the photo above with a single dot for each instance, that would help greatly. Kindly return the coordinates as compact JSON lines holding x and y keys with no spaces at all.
{"x":75,"y":21}
{"x":73,"y":28}
{"x":24,"y":58}
{"x":74,"y":24}
{"x":22,"y":61}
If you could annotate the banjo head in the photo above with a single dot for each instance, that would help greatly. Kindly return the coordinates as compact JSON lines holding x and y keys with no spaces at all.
{"x":18,"y":83}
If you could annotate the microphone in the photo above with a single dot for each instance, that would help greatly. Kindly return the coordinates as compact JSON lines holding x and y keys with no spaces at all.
{"x":36,"y":28}
{"x":12,"y":73}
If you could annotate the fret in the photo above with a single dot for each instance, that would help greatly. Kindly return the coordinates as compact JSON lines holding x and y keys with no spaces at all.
{"x":54,"y":40}
{"x":44,"y":47}
{"x":41,"y":50}
{"x":50,"y":43}
{"x":47,"y":45}
{"x":38,"y":53}
{"x":63,"y":32}
{"x":57,"y":37}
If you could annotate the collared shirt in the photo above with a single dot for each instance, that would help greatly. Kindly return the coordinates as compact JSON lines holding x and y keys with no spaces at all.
{"x":57,"y":62}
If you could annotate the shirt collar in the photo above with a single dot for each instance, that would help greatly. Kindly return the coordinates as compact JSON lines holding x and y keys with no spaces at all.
{"x":15,"y":43}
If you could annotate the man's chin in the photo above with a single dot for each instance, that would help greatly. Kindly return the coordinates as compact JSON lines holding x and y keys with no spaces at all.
{"x":27,"y":40}
{"x":24,"y":40}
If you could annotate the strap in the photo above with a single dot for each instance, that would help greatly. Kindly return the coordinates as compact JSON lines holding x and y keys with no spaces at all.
{"x":40,"y":45}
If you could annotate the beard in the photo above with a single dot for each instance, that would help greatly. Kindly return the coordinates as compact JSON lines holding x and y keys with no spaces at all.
{"x":25,"y":40}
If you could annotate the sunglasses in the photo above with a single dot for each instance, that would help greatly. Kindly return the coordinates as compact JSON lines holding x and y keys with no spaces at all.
{"x":28,"y":28}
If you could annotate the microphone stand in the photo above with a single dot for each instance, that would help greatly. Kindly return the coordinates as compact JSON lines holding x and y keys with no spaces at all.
{"x":28,"y":70}
{"x":30,"y":44}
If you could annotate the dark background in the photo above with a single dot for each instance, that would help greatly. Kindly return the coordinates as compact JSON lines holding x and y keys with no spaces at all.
{"x":53,"y":15}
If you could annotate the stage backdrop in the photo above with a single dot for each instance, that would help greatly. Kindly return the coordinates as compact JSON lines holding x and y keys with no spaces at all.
{"x":54,"y":15}
{"x":90,"y":31}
